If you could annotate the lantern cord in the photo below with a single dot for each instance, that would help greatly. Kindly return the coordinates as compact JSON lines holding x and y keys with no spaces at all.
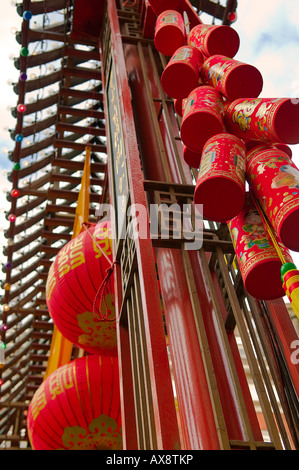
{"x":101,"y":293}
{"x":98,"y":312}
{"x":269,"y":229}
{"x":86,"y":225}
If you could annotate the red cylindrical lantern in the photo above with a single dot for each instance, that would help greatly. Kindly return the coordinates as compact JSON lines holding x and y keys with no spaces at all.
{"x":178,"y":106}
{"x":232,"y":78}
{"x":274,"y":180}
{"x":78,"y":407}
{"x":263,"y":119}
{"x":258,"y":260}
{"x":191,"y":158}
{"x":73,"y":282}
{"x":202,"y":117}
{"x":220,"y":186}
{"x":215,"y":39}
{"x":170,"y":32}
{"x":181,"y":75}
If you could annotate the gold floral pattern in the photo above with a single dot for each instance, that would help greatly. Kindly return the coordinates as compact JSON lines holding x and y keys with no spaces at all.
{"x":101,"y":335}
{"x":102,"y":434}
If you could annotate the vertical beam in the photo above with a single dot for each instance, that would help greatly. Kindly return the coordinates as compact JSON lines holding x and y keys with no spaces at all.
{"x":161,"y":386}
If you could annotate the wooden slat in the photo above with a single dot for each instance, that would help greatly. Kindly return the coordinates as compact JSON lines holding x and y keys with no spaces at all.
{"x":84,"y":113}
{"x":84,"y":72}
{"x":62,"y":143}
{"x":64,"y":127}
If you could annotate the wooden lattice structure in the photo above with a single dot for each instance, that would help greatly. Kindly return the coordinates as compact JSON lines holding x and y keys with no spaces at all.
{"x":190,"y":339}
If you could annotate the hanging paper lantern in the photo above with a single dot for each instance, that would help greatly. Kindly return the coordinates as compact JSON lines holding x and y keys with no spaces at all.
{"x":78,"y":407}
{"x":220,"y":186}
{"x":215,"y":39}
{"x":274,"y":180}
{"x":170,"y":32}
{"x":258,"y":259}
{"x":181,"y":75}
{"x":191,"y":158}
{"x":232,"y":78}
{"x":72,"y":285}
{"x":202,"y":117}
{"x":264,"y":119}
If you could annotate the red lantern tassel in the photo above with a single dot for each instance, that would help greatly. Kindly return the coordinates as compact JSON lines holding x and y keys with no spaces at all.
{"x":97,"y":312}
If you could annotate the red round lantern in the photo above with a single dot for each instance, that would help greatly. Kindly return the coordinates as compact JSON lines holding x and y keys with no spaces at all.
{"x":181,"y":75}
{"x":274,"y":180}
{"x":170,"y":32}
{"x":232,"y":78}
{"x":258,"y":260}
{"x":220,"y":186}
{"x":215,"y":39}
{"x":202,"y":117}
{"x":78,"y":407}
{"x":73,"y":282}
{"x":191,"y":158}
{"x":263,"y":119}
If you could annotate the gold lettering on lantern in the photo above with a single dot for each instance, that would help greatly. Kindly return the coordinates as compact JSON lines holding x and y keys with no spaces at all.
{"x":39,"y":402}
{"x":51,"y":281}
{"x":59,"y":381}
{"x":102,"y":241}
{"x":76,"y":253}
{"x":71,"y":256}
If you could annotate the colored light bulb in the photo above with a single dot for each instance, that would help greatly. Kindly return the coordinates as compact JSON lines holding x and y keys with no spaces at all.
{"x":1,"y":382}
{"x":15,"y":193}
{"x":24,"y":51}
{"x":12,"y":217}
{"x":232,"y":16}
{"x":19,"y":138}
{"x":27,"y":15}
{"x":23,"y":76}
{"x":21,"y":108}
{"x":17,"y":166}
{"x":4,"y":327}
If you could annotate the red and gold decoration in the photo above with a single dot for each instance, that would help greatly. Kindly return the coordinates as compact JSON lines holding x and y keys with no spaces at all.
{"x":78,"y":407}
{"x":202,"y":118}
{"x":263,"y":119}
{"x":259,"y":262}
{"x":181,"y":75}
{"x":220,"y":186}
{"x":232,"y":78}
{"x":274,"y":179}
{"x":215,"y":39}
{"x":72,"y":286}
{"x":170,"y":33}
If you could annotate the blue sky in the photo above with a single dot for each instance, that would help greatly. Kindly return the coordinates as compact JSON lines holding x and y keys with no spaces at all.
{"x":269,"y":34}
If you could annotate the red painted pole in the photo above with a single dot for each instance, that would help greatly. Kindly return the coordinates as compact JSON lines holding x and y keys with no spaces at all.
{"x":164,"y":409}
